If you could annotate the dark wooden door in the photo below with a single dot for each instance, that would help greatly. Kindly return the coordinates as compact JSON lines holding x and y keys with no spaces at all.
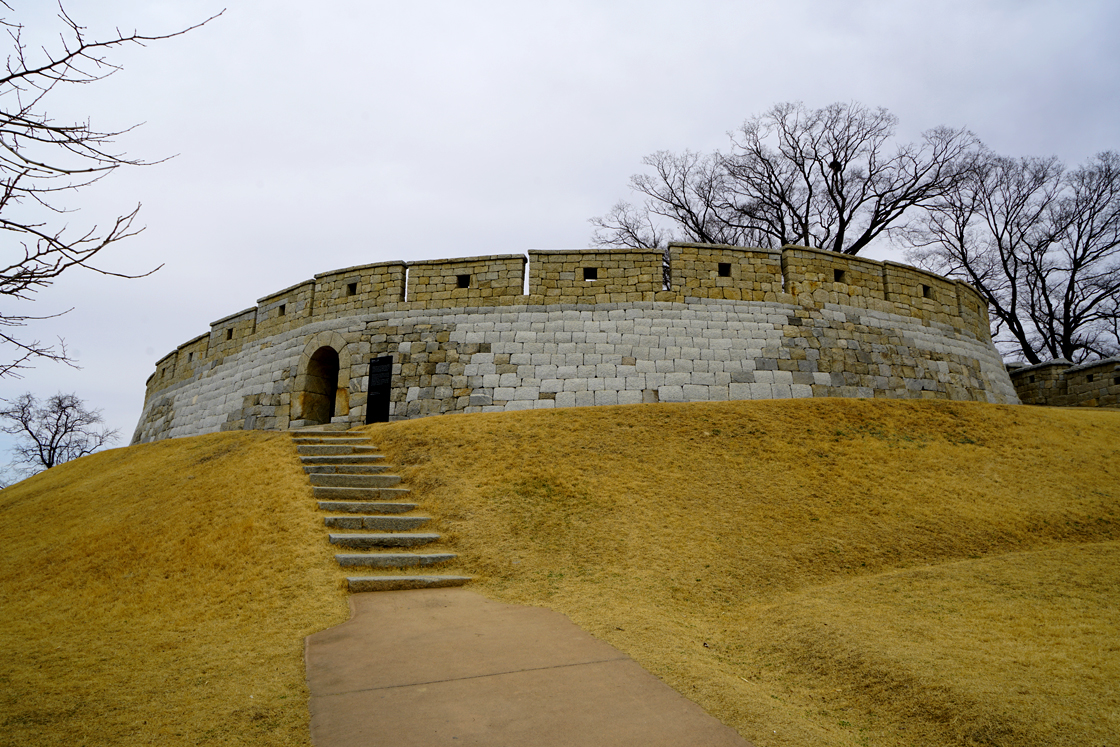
{"x":380,"y":387}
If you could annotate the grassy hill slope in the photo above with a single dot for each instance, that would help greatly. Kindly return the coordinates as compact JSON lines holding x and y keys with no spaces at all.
{"x":811,"y":572}
{"x":159,"y":594}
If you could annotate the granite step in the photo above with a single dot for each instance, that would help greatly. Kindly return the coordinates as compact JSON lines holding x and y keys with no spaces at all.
{"x":366,"y":507}
{"x":393,"y":559}
{"x":331,"y":449}
{"x":350,"y":477}
{"x":342,"y":440}
{"x":377,"y":523}
{"x":388,"y":539}
{"x":354,"y":481}
{"x":301,"y":427}
{"x":400,"y":583}
{"x":341,"y":460}
{"x":359,"y":494}
{"x":345,"y":469}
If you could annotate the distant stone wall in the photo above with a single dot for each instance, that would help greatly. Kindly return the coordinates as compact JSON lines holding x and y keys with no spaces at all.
{"x":1060,"y":383}
{"x":596,"y":327}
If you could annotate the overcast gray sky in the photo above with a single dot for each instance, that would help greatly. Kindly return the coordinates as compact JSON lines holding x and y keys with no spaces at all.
{"x":309,"y":137}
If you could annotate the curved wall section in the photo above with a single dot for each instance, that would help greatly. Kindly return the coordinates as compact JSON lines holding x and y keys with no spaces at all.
{"x":596,"y":328}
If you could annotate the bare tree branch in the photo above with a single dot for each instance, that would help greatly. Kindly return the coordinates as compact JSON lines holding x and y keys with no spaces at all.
{"x":42,"y":160}
{"x":818,"y":177}
{"x":1041,"y":244}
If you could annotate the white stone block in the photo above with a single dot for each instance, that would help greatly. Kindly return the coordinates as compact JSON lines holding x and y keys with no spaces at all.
{"x":678,"y":379}
{"x":575,"y":385}
{"x":670,"y":394}
{"x":606,"y":397}
{"x":630,"y":397}
{"x":761,"y":391}
{"x":585,"y":399}
{"x":739,"y":391}
{"x":552,"y":385}
{"x":695,"y":393}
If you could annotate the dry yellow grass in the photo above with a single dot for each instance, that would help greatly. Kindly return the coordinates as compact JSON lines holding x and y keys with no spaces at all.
{"x":159,"y":595}
{"x":826,"y":572}
{"x":815,"y":571}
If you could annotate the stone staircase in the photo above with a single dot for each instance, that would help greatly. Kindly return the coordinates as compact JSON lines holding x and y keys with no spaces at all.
{"x":370,"y":511}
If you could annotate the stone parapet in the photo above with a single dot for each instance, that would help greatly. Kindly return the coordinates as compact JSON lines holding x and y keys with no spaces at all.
{"x":595,"y":276}
{"x":461,"y":283}
{"x":286,"y":310}
{"x":725,"y":272}
{"x":816,"y":277}
{"x":352,"y":289}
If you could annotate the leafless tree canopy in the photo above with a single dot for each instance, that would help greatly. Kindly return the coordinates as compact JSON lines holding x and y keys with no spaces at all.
{"x":831,"y":178}
{"x":1042,"y":245}
{"x":53,"y":432}
{"x":43,"y":160}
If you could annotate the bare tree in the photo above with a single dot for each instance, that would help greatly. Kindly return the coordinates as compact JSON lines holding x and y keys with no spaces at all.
{"x":41,"y":161}
{"x":1041,"y":244}
{"x":57,"y":431}
{"x":828,"y":178}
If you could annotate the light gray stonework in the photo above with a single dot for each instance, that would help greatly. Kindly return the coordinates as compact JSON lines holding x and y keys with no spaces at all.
{"x":499,"y":358}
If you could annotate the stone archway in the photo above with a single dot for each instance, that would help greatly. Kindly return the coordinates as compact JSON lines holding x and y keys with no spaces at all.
{"x":321,"y":390}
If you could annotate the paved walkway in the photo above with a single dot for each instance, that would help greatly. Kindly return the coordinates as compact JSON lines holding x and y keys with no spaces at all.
{"x":450,"y":667}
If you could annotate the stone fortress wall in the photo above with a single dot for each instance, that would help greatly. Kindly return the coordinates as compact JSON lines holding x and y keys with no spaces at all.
{"x":1061,"y":383}
{"x":596,"y":327}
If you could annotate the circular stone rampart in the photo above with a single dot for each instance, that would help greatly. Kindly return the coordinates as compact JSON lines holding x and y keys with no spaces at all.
{"x":596,"y":328}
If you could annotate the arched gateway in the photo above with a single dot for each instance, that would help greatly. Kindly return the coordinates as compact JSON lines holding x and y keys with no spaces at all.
{"x":321,"y":390}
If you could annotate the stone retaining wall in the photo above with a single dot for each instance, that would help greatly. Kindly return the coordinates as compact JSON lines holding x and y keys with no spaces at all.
{"x":737,"y":324}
